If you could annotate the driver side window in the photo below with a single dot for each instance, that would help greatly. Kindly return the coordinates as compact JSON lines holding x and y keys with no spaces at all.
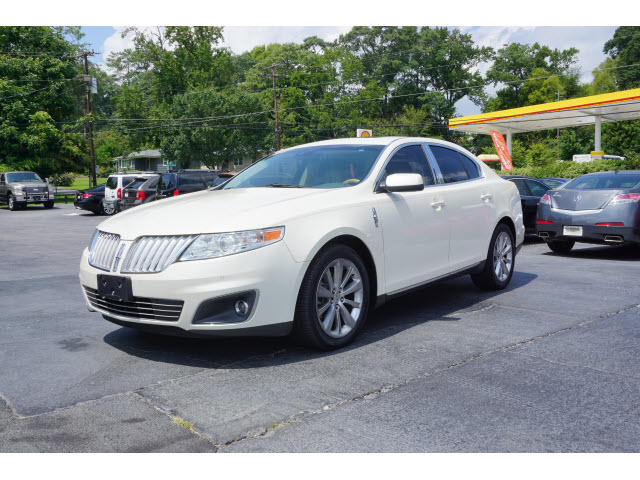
{"x":410,"y":159}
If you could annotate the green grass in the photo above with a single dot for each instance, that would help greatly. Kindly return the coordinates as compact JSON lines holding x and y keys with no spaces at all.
{"x":82,"y":183}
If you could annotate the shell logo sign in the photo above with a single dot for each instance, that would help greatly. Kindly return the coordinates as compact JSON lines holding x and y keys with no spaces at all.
{"x":364,"y":133}
{"x":501,"y":148}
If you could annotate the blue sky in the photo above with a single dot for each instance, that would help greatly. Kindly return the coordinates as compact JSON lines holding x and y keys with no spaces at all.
{"x":589,"y":40}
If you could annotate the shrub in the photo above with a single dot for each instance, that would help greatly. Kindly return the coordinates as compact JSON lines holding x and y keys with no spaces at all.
{"x":63,"y":179}
{"x":571,"y":169}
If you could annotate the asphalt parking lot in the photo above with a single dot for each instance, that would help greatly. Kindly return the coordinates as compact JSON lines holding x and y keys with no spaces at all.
{"x":550,"y":364}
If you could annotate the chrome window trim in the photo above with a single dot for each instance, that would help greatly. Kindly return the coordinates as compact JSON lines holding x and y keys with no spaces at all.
{"x":376,"y":184}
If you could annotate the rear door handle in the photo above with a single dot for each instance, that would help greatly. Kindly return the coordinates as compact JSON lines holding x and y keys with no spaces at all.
{"x":486,"y":196}
{"x":438,"y":204}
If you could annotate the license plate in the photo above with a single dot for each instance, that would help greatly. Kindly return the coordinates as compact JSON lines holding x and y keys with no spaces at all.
{"x":572,"y":231}
{"x":115,"y":288}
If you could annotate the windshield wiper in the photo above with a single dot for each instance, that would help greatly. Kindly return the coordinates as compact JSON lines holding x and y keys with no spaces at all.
{"x":285,"y":185}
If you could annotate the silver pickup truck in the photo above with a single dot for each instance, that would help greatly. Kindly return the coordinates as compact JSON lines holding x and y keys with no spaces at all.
{"x":17,"y":189}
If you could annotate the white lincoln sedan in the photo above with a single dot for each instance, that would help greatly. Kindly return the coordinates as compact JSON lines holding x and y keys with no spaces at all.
{"x":306,"y":241}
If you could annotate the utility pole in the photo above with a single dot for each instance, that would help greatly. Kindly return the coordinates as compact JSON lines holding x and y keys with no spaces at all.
{"x":558,"y":136}
{"x":275,"y":101}
{"x":87,"y":79}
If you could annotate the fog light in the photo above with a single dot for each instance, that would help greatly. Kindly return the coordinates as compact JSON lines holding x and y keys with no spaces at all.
{"x":242,"y":307}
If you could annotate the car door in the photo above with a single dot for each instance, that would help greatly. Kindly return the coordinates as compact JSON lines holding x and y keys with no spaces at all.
{"x":3,"y":188}
{"x":529,"y":204}
{"x":470,"y":206}
{"x":414,"y":225}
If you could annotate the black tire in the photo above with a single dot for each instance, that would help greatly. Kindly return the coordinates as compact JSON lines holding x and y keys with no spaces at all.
{"x":560,"y":246}
{"x":48,"y":204}
{"x":11,"y":201}
{"x":307,"y":328}
{"x":487,"y":279}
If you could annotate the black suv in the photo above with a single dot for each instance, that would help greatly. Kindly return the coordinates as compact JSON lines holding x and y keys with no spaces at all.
{"x":185,"y":181}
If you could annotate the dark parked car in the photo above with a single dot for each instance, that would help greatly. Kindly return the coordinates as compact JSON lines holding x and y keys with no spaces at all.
{"x":601,"y":208}
{"x":553,"y":182}
{"x":185,"y":181}
{"x":531,"y":191}
{"x":90,"y":199}
{"x":141,"y":190}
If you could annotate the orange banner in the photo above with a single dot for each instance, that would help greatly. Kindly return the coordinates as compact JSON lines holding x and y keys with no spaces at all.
{"x":501,"y":148}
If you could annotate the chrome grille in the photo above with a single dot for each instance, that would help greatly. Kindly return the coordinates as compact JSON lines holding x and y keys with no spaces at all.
{"x":103,"y":249}
{"x":154,"y":254}
{"x":140,"y":308}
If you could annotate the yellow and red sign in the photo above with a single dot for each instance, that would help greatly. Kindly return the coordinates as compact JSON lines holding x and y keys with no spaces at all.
{"x":364,"y":132}
{"x":501,"y":148}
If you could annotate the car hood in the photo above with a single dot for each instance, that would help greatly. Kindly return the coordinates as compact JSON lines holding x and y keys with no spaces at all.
{"x":566,"y":199}
{"x":212,"y":211}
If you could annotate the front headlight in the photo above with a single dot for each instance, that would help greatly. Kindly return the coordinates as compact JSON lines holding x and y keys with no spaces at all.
{"x":19,"y":189}
{"x":222,"y":244}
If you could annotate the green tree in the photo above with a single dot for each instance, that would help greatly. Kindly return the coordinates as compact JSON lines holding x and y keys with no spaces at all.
{"x":624,"y":48}
{"x":38,"y":95}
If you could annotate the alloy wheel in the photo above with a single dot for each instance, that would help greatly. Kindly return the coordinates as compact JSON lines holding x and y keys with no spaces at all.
{"x":339,"y":298}
{"x":502,"y":256}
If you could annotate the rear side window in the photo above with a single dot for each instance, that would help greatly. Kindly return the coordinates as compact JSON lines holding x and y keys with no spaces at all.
{"x":112,"y":182}
{"x":450,"y":164}
{"x":410,"y":159}
{"x":522,"y":188}
{"x":136,"y":183}
{"x":537,"y":189}
{"x":192,"y":180}
{"x":152,"y":183}
{"x":166,"y":182}
{"x":127,"y":180}
{"x":470,"y":166}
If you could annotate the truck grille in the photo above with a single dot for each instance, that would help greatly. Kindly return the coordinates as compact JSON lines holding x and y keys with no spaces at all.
{"x":103,"y":250}
{"x":154,"y":254}
{"x":140,"y":308}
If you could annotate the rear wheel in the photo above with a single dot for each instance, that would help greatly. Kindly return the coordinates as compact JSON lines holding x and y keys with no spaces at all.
{"x":333,"y":301}
{"x":561,"y":246}
{"x":498,"y":268}
{"x":108,"y":208}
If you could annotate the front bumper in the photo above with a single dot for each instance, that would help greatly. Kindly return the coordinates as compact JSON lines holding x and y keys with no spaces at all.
{"x":270,"y":272}
{"x":32,"y":198}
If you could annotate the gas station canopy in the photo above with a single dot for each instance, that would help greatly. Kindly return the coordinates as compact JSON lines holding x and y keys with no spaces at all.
{"x":592,"y":110}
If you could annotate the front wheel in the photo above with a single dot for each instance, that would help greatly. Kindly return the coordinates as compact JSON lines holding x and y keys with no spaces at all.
{"x":498,"y":268}
{"x":48,"y":204}
{"x":13,"y":205}
{"x":561,"y":246}
{"x":333,"y":301}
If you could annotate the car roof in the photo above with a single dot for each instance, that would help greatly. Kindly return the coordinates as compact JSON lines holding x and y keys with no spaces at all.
{"x":617,"y":172}
{"x":383,"y":141}
{"x":517,"y":176}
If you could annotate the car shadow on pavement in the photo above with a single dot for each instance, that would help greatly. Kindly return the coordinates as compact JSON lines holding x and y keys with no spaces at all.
{"x":625,"y":253}
{"x":434,"y":303}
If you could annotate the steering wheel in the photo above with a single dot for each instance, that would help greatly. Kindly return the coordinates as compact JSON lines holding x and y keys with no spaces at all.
{"x":352,"y":180}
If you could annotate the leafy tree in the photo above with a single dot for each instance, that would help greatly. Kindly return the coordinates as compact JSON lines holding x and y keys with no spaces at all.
{"x":214,"y":142}
{"x":515,"y":63}
{"x":38,"y":87}
{"x":604,"y":78}
{"x":624,"y":48}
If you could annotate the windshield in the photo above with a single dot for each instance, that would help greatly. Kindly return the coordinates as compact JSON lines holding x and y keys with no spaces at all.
{"x":320,"y":166}
{"x":605,"y":181}
{"x":23,"y":177}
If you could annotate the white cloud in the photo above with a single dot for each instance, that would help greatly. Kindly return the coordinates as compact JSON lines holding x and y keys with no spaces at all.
{"x":242,"y":39}
{"x":115,"y":42}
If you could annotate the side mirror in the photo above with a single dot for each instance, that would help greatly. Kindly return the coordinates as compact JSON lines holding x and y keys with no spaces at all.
{"x":404,"y":182}
{"x":46,"y":180}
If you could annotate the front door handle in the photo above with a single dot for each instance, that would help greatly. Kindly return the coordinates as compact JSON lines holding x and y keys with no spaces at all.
{"x":486,"y":196}
{"x":438,"y":204}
